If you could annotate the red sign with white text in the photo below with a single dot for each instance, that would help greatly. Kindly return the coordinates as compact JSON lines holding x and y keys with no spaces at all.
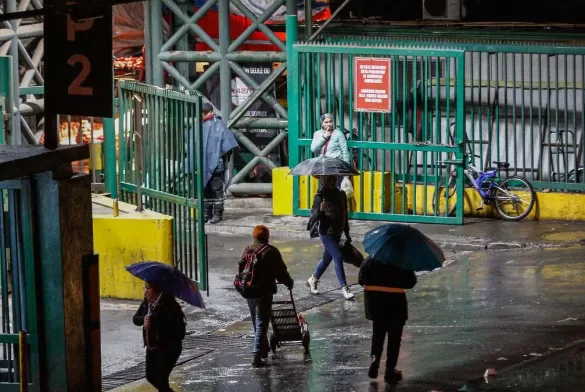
{"x":372,"y":84}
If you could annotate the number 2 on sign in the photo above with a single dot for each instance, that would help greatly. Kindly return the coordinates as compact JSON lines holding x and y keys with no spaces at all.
{"x":76,"y":88}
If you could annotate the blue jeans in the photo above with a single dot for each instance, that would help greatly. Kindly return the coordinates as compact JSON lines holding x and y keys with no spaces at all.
{"x":332,"y":252}
{"x":260,"y":309}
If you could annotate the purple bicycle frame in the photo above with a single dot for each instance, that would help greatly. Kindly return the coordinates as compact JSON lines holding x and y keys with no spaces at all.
{"x":481,"y":178}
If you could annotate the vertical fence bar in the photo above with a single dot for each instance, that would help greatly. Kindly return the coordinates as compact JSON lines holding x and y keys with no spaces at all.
{"x":574,"y":119}
{"x":541,"y":124}
{"x":424,"y":129}
{"x":531,"y":114}
{"x":557,"y":117}
{"x":460,"y":112}
{"x":5,"y":315}
{"x":522,"y":114}
{"x":497,"y":106}
{"x":514,"y":118}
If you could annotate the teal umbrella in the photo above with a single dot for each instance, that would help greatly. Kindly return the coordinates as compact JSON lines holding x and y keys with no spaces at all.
{"x":404,"y":247}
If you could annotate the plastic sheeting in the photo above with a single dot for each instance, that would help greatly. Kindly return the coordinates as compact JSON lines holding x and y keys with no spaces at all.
{"x":259,"y":6}
{"x":128,"y":31}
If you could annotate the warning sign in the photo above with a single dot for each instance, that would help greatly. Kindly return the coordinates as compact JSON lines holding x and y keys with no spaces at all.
{"x":372,"y":84}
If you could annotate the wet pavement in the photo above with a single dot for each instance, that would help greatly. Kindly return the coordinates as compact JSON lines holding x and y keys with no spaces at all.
{"x":474,"y":234}
{"x":121,"y":340}
{"x":513,"y":310}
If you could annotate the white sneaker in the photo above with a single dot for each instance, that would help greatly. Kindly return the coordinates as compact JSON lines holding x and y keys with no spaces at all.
{"x":312,"y":284}
{"x":347,"y":294}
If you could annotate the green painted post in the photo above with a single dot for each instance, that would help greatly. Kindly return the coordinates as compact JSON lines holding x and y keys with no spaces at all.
{"x":5,"y":92}
{"x":293,"y":92}
{"x":110,"y":157}
{"x":460,"y":134}
{"x":2,"y":102}
{"x":225,"y":72}
{"x":156,"y":38}
{"x":202,"y":237}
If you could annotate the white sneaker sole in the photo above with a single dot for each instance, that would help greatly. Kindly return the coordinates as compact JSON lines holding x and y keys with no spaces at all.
{"x":311,"y":290}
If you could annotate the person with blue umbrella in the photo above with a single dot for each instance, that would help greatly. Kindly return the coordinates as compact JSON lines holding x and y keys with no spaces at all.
{"x":395,"y":252}
{"x":162,"y":320}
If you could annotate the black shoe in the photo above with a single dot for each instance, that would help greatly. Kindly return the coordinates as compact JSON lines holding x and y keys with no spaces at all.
{"x":257,"y":362}
{"x":392,"y":376}
{"x":374,"y":366}
{"x":215,"y":219}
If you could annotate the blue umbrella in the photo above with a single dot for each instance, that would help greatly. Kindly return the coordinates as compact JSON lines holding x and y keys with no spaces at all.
{"x":170,"y":280}
{"x":404,"y":247}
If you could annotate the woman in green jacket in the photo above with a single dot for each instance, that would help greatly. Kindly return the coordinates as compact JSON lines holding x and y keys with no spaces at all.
{"x":330,"y":142}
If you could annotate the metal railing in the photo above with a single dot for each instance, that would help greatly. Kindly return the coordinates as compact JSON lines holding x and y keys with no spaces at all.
{"x":18,"y":309}
{"x":399,"y":153}
{"x":524,"y":103}
{"x":160,"y":158}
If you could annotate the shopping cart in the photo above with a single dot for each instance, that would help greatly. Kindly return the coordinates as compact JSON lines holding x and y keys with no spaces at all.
{"x":287,"y":325}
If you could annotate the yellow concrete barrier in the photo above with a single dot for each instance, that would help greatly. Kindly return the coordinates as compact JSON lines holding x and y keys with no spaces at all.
{"x":282,"y":192}
{"x":129,"y":238}
{"x":373,"y":183}
{"x":548,"y":205}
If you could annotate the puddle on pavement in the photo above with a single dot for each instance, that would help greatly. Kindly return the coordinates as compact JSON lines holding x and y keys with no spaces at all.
{"x":564,"y":236}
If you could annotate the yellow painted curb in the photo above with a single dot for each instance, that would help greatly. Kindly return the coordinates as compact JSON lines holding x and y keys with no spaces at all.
{"x":548,"y":205}
{"x":126,"y":239}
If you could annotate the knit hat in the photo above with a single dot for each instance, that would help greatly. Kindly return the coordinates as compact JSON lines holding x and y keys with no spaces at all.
{"x":207,"y":107}
{"x":261,"y":233}
{"x":326,"y":115}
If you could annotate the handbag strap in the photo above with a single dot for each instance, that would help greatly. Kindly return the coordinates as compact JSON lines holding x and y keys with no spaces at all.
{"x":326,"y":146}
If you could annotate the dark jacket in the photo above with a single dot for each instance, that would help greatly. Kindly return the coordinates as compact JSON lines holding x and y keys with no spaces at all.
{"x":269,"y":269}
{"x":334,"y":219}
{"x":165,"y":322}
{"x":381,"y":305}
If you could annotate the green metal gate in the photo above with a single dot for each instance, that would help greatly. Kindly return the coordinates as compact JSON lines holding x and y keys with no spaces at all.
{"x":403,"y":153}
{"x":156,"y":128}
{"x":18,"y":297}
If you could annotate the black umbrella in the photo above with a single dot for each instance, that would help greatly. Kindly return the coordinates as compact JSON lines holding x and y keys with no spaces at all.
{"x":324,"y":166}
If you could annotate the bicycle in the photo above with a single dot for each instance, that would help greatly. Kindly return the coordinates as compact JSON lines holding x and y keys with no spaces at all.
{"x":508,"y":196}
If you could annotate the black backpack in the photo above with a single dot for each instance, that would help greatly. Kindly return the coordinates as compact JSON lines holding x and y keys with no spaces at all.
{"x":244,"y":281}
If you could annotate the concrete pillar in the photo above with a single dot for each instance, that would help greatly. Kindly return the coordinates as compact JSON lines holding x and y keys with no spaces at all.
{"x":68,"y":284}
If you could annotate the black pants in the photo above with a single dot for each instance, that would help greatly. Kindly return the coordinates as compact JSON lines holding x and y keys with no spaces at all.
{"x":213,"y":194}
{"x":394,"y":330}
{"x":159,"y":364}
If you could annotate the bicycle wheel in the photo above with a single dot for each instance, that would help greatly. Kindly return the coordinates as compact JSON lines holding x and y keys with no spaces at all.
{"x":514,"y":198}
{"x":447,"y":186}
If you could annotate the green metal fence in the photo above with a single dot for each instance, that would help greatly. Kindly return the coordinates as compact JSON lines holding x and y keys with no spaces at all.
{"x":524,"y":101}
{"x":402,"y":154}
{"x":156,"y":170}
{"x":18,"y":297}
{"x":2,"y":105}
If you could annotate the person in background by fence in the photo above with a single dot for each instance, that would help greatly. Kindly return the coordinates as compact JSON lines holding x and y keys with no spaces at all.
{"x":330,"y":142}
{"x":218,"y":143}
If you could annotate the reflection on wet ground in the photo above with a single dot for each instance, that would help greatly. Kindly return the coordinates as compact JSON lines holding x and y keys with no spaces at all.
{"x":487,"y":310}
